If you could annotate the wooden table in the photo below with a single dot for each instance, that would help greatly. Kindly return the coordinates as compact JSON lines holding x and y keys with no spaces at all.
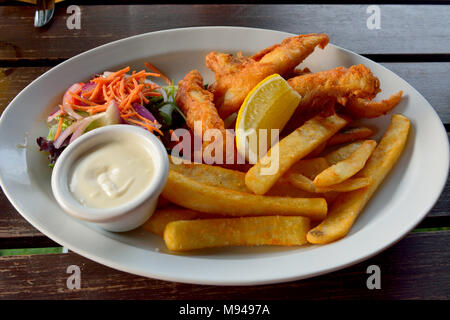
{"x":414,"y":42}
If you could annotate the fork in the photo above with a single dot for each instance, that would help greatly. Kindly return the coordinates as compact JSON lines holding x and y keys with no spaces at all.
{"x":44,"y":12}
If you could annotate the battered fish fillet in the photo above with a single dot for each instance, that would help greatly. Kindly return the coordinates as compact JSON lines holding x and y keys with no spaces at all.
{"x":363,"y":108}
{"x":197,"y":104}
{"x":236,"y":76}
{"x":339,"y":84}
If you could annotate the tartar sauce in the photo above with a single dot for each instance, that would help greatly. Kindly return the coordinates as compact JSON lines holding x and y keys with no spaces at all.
{"x":111,"y":174}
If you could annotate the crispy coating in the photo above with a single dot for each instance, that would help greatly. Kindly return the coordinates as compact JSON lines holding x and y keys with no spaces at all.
{"x":338,"y":84}
{"x":363,"y":108}
{"x":197,"y":104}
{"x":236,"y":76}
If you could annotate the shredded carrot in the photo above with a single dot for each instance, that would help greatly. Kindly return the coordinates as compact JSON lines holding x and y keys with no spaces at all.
{"x":154,"y":69}
{"x":60,"y":123}
{"x":147,"y":126}
{"x":123,"y":88}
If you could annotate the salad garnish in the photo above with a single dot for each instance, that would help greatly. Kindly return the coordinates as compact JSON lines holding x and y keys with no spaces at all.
{"x":112,"y":98}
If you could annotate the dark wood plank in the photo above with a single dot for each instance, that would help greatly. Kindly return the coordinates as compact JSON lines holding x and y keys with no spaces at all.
{"x":407,"y":29}
{"x":13,"y":80}
{"x":415,"y":268}
{"x":426,"y":78}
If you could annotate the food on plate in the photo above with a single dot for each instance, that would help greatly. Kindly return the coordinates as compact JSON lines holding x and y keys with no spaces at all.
{"x":347,"y":168}
{"x":309,"y":167}
{"x":191,"y":194}
{"x":249,"y":231}
{"x":265,"y":189}
{"x":289,"y":150}
{"x":269,"y":105}
{"x":338,"y":84}
{"x":350,"y":135}
{"x":111,"y":175}
{"x":347,"y":207}
{"x":363,"y":108}
{"x":124,"y":96}
{"x":343,"y":152}
{"x":197,"y":104}
{"x":348,"y":185}
{"x":160,"y":218}
{"x":217,"y":176}
{"x":236,"y":76}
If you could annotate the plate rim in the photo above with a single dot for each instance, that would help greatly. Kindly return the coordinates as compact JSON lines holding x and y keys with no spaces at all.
{"x":113,"y":264}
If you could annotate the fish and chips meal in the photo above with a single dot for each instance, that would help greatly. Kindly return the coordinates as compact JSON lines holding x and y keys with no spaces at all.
{"x":267,"y":154}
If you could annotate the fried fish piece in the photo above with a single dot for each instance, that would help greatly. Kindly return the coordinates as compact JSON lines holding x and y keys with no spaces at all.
{"x":236,"y":76}
{"x":197,"y":104}
{"x":363,"y":108}
{"x":339,"y":84}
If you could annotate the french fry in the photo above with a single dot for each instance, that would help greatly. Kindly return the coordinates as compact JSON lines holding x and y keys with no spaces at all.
{"x":194,"y":195}
{"x":346,"y":208}
{"x":235,"y":180}
{"x":160,"y":218}
{"x":301,"y":174}
{"x":301,"y":182}
{"x":211,"y":175}
{"x":349,"y":135}
{"x":346,"y":186}
{"x":250,"y":231}
{"x":343,"y":152}
{"x":292,"y":148}
{"x":347,"y":168}
{"x":310,"y":168}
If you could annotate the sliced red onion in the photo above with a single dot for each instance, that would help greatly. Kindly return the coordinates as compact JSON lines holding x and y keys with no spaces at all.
{"x":68,"y":99}
{"x":83,"y":124}
{"x":54,"y":114}
{"x":143,"y":111}
{"x":65,"y":134}
{"x":88,"y":87}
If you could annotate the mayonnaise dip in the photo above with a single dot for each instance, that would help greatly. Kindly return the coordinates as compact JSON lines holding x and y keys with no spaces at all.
{"x":111,"y":175}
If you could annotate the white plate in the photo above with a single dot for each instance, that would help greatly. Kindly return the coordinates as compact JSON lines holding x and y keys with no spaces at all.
{"x":405,"y":197}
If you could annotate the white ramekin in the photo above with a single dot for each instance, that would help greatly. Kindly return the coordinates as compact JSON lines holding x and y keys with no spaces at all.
{"x":129,"y":215}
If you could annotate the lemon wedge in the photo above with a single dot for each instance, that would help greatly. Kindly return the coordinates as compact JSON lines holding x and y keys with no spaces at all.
{"x":269,"y":105}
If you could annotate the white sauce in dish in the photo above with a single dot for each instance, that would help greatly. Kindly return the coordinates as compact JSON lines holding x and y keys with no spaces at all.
{"x":111,"y":175}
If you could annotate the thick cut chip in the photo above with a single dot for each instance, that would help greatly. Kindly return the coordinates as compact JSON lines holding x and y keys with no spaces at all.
{"x":343,"y":152}
{"x":349,"y":135}
{"x":264,"y":174}
{"x":194,"y":195}
{"x":347,"y":168}
{"x":347,"y":207}
{"x":160,"y":218}
{"x":211,"y":175}
{"x":346,"y":186}
{"x":235,"y":180}
{"x":251,"y":231}
{"x":302,"y":182}
{"x":310,"y":168}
